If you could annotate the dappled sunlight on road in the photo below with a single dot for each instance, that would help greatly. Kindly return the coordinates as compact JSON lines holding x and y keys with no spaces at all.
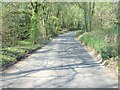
{"x":61,"y":63}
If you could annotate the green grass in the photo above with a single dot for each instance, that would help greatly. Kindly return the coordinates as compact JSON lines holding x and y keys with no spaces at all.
{"x":96,"y":40}
{"x":10,"y":54}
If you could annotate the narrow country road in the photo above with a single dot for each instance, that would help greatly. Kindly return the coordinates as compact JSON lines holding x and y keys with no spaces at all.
{"x":63,"y":63}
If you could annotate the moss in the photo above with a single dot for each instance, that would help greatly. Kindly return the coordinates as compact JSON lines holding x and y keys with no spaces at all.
{"x":7,"y":59}
{"x":10,"y":54}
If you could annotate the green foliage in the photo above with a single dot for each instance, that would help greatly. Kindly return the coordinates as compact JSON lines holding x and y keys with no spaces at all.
{"x":7,"y":59}
{"x":34,"y":34}
{"x":109,"y":51}
{"x":118,"y":64}
{"x":10,"y":54}
{"x":37,"y":22}
{"x":15,"y":25}
{"x":93,"y":41}
{"x":96,"y":40}
{"x":24,"y":43}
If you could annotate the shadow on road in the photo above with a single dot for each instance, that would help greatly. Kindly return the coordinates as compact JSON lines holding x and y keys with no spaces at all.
{"x":68,"y":56}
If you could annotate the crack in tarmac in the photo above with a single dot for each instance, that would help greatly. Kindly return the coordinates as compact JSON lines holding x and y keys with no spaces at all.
{"x":63,"y":63}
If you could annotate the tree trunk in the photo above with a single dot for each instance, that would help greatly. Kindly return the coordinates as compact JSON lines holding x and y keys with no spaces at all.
{"x":85,"y":16}
{"x":118,"y":18}
{"x":34,"y":34}
{"x":91,"y":13}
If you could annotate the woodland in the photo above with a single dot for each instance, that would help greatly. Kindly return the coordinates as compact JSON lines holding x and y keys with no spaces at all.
{"x":28,"y":26}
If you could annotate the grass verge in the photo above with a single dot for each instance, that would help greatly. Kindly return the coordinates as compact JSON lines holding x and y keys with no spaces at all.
{"x":11,"y":55}
{"x":104,"y":42}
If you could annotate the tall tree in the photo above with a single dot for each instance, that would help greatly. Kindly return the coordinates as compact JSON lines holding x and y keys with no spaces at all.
{"x":85,"y":8}
{"x":91,"y":12}
{"x":34,"y":34}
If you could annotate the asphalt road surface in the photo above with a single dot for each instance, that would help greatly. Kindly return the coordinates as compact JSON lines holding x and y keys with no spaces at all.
{"x":63,"y":63}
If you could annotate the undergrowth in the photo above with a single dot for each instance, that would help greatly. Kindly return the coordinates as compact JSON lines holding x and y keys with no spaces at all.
{"x":10,"y":54}
{"x":103,"y":41}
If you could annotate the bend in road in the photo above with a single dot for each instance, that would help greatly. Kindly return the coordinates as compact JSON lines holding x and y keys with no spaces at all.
{"x":63,"y":63}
